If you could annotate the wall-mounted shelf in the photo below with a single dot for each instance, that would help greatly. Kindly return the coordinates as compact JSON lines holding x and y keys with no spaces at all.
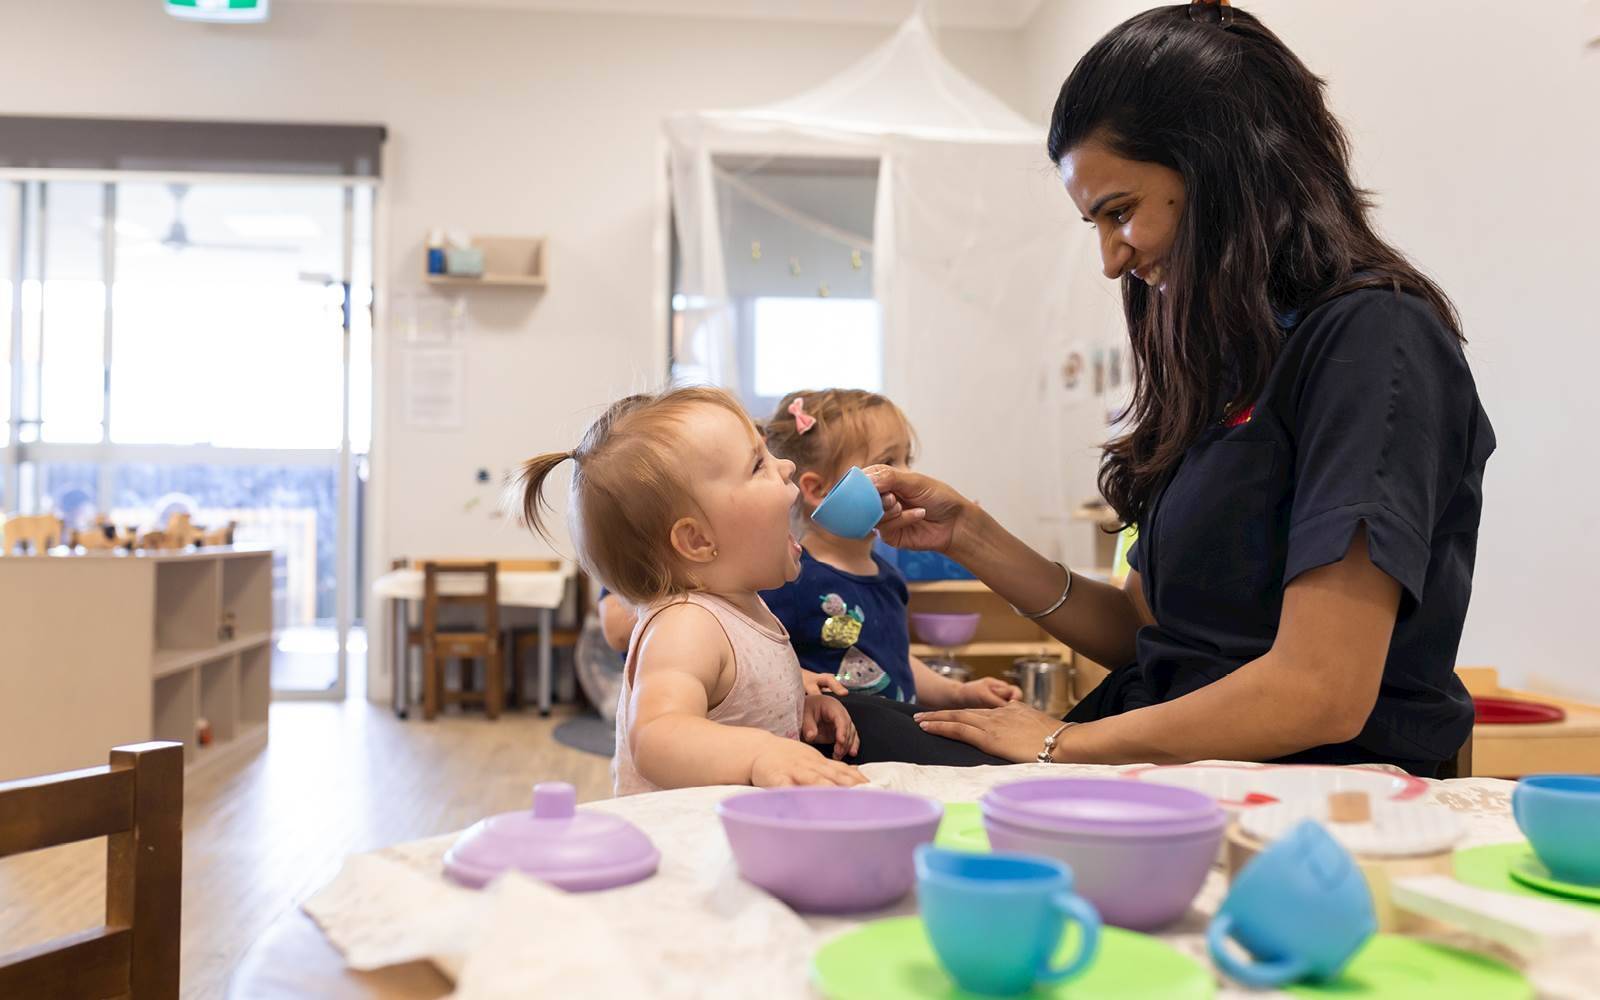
{"x":508,"y":262}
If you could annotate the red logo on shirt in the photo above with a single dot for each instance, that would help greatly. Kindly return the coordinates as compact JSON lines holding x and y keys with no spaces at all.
{"x":1241,"y":418}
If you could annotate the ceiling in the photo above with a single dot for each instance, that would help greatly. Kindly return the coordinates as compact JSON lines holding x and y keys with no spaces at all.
{"x":1001,"y":15}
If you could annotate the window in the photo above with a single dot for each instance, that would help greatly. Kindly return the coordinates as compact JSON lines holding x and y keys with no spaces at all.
{"x":796,"y":245}
{"x":798,"y":343}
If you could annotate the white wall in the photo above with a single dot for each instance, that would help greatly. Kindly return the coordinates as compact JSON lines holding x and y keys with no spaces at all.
{"x":500,"y":122}
{"x":1479,"y":131}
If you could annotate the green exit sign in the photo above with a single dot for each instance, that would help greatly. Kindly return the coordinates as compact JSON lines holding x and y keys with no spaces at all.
{"x":235,"y":11}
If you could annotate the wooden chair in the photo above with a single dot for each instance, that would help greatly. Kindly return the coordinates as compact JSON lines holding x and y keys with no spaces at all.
{"x":442,"y":642}
{"x":136,"y":802}
{"x":561,"y":637}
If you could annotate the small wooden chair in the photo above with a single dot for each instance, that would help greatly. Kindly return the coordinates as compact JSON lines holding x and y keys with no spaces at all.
{"x":136,"y":802}
{"x":442,"y":642}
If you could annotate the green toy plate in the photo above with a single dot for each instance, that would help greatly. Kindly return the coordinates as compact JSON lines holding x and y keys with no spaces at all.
{"x":1401,"y":968}
{"x":1513,"y":868}
{"x":962,"y":828}
{"x":892,"y":960}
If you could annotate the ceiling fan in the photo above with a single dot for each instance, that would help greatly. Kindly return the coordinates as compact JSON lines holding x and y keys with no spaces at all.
{"x":177,"y":237}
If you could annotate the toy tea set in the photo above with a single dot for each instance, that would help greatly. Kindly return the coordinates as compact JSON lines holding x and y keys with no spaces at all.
{"x":1049,"y":885}
{"x":1046,"y":887}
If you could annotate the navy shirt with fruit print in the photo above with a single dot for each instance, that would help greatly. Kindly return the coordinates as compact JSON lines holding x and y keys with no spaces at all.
{"x":848,"y":625}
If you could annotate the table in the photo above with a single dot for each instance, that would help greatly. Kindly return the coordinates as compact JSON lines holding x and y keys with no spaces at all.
{"x":1571,"y":746}
{"x":294,"y":958}
{"x":545,"y":590}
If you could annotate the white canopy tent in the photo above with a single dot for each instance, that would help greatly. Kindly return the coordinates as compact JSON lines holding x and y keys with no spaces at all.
{"x":972,"y":256}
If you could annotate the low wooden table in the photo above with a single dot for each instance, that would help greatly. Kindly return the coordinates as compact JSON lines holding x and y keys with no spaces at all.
{"x":542,"y":589}
{"x":1570,"y":746}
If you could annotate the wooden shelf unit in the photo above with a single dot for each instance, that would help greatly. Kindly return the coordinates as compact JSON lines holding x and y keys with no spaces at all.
{"x":114,"y":648}
{"x":1002,"y":636}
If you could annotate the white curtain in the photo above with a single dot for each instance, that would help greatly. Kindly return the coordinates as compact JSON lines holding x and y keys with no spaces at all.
{"x":976,"y":254}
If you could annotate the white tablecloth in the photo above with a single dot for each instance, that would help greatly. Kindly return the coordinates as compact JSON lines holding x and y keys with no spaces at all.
{"x":696,"y":929}
{"x":518,"y":588}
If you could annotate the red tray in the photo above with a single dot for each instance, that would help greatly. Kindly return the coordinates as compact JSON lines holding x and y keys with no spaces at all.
{"x":1504,"y":711}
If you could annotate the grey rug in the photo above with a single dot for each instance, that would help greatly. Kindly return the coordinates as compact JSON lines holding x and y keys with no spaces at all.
{"x":588,"y":733}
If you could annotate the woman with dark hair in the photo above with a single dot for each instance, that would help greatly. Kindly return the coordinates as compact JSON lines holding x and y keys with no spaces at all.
{"x":1303,"y":456}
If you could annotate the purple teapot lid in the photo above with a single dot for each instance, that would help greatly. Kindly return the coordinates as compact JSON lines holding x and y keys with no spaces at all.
{"x":554,"y":843}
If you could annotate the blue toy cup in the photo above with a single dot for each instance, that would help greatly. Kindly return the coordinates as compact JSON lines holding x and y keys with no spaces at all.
{"x":996,"y":920}
{"x":1301,"y":908}
{"x":1560,"y":815}
{"x":852,"y":508}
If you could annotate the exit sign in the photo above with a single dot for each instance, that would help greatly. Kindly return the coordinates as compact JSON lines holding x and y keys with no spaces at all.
{"x":235,"y":11}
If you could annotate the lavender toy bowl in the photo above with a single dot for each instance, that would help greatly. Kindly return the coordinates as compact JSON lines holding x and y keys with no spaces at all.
{"x":945,"y":629}
{"x":829,"y":850}
{"x":1140,"y":857}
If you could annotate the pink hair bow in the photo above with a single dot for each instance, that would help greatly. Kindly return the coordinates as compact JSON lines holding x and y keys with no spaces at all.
{"x":803,"y":421}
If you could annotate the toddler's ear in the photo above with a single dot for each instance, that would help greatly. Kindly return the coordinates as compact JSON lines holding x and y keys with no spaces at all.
{"x":812,"y":489}
{"x":691,"y":542}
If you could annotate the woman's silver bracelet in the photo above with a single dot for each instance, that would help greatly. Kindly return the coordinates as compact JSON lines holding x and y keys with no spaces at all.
{"x":1046,"y":756}
{"x":1052,"y":609}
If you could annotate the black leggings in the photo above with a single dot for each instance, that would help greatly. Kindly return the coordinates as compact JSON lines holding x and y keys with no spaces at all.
{"x":889,"y":733}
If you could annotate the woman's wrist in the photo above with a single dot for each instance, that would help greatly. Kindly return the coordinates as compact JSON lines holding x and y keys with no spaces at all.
{"x":974,"y":534}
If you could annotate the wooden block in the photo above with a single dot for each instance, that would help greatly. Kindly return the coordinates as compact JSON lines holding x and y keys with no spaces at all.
{"x":1528,"y":926}
{"x":1349,"y":807}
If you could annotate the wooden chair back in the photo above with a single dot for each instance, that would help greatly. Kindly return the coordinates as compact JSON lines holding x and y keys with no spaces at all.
{"x":441,"y":643}
{"x":136,"y":802}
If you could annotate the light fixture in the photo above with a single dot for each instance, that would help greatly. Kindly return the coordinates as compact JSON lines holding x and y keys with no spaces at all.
{"x":221,"y":11}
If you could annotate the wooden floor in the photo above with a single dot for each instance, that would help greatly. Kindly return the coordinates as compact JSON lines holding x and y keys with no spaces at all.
{"x":262,"y":834}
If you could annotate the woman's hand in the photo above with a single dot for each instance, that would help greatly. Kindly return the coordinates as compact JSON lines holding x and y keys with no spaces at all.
{"x":790,"y":762}
{"x":819,"y":683}
{"x":824,"y":720}
{"x":919,"y":512}
{"x":987,"y":692}
{"x":1014,"y":731}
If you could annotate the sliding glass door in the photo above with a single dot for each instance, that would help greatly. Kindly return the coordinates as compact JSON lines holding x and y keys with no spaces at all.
{"x":201,"y":344}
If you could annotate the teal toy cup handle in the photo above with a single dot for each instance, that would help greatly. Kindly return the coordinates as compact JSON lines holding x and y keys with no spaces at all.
{"x":1078,"y":911}
{"x":1256,"y":974}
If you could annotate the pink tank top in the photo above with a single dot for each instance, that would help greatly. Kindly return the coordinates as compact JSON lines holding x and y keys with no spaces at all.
{"x":767,"y":692}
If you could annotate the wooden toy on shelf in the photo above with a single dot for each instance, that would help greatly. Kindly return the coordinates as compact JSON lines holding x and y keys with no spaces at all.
{"x":102,"y":536}
{"x":156,"y":541}
{"x":180,"y":533}
{"x":219,"y":536}
{"x":35,"y":534}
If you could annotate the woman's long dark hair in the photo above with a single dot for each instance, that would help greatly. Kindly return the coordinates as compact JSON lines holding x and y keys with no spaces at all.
{"x":1272,"y":221}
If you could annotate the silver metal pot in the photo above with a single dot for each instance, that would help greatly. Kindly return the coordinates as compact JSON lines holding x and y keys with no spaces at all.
{"x":953,"y":669}
{"x":1046,"y":682}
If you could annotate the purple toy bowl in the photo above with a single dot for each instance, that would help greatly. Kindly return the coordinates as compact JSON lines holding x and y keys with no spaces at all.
{"x":1102,"y":805}
{"x":1139,"y":859}
{"x":947,"y":630}
{"x":829,"y":850}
